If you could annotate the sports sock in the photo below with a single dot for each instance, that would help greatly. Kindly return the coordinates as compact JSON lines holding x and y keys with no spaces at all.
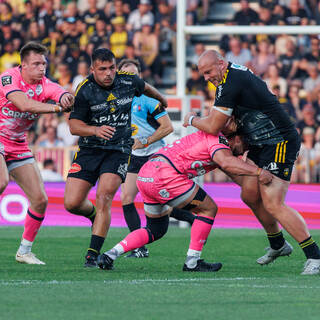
{"x":91,"y":216}
{"x":32,"y":224}
{"x":276,"y":240}
{"x":96,"y":244}
{"x":131,"y":216}
{"x":182,"y":215}
{"x":310,"y":248}
{"x":199,"y":233}
{"x":133,"y":240}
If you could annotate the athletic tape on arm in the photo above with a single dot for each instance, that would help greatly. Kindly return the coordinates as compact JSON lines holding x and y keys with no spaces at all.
{"x":226,"y":111}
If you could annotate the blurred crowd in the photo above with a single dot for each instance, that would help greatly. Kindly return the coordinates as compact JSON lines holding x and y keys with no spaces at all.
{"x":145,"y":30}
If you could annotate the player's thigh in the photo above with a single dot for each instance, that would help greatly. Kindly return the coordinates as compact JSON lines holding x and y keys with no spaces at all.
{"x":76,"y":191}
{"x":108,"y":185}
{"x":4,"y":180}
{"x":29,"y":179}
{"x":129,"y":188}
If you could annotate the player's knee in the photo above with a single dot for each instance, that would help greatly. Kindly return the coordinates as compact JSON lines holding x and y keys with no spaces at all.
{"x":71,"y":205}
{"x":273,"y":207}
{"x":126,"y":198}
{"x":40,"y":204}
{"x":157,"y":227}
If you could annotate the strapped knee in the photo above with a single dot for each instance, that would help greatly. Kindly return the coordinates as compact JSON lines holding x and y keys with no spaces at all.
{"x":157,"y":227}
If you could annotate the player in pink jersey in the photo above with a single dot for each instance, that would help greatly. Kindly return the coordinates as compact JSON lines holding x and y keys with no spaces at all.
{"x":165,"y":182}
{"x":24,"y":91}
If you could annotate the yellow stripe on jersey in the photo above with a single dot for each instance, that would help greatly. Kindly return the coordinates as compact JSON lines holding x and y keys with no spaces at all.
{"x":125,"y":72}
{"x":80,"y":85}
{"x":277,"y":150}
{"x":284,"y":151}
{"x":280,"y":151}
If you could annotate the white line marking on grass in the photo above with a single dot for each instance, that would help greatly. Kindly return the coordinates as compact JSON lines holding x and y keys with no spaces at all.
{"x":236,"y":283}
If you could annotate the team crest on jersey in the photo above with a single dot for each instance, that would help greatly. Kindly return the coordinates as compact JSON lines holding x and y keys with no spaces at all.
{"x":112,"y":108}
{"x":39,"y":89}
{"x":223,"y":140}
{"x":272,"y":167}
{"x":75,"y":168}
{"x":5,"y":80}
{"x":111,"y":97}
{"x":286,"y":172}
{"x":122,"y":170}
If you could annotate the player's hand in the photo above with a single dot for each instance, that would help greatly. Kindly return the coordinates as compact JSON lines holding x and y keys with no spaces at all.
{"x":137,"y":145}
{"x":186,"y":119}
{"x":104,"y":132}
{"x":67,"y":102}
{"x":265,"y":177}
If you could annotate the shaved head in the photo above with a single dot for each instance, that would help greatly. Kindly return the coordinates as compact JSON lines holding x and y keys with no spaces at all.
{"x":212,"y":66}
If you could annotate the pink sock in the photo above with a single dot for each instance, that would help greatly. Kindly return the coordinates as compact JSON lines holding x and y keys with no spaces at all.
{"x":135,"y":239}
{"x":32,"y":224}
{"x":200,"y":230}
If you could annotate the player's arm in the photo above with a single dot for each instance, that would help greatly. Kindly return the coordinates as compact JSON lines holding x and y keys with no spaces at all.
{"x":162,"y":131}
{"x":152,"y":92}
{"x":25,"y":104}
{"x":80,"y":128}
{"x":213,"y":123}
{"x":233,"y":165}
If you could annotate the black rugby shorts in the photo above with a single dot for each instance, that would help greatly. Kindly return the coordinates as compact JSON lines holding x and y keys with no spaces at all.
{"x":136,"y":162}
{"x":90,"y":163}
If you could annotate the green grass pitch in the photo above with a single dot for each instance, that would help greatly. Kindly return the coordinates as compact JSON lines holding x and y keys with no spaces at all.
{"x":155,"y":288}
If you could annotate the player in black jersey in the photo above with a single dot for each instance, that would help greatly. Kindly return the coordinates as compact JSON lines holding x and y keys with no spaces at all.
{"x":273,"y":144}
{"x":102,"y":119}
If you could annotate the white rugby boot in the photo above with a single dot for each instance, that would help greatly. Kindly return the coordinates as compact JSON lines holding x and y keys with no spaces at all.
{"x":28,"y":258}
{"x":273,"y":254}
{"x":312,"y":266}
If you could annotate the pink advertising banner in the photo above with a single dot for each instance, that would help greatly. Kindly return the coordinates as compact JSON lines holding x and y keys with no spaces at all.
{"x":232,"y":212}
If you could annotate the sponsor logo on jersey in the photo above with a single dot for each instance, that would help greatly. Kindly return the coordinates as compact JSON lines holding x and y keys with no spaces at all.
{"x":223,"y":140}
{"x":219,"y":91}
{"x":98,"y":106}
{"x":129,"y":83}
{"x":5,"y":80}
{"x":39,"y":89}
{"x":25,"y":154}
{"x":30,"y":93}
{"x":16,"y":114}
{"x":111,"y":97}
{"x":164,"y":193}
{"x":272,"y":167}
{"x":124,"y":101}
{"x":134,"y":129}
{"x":145,"y":179}
{"x":75,"y":168}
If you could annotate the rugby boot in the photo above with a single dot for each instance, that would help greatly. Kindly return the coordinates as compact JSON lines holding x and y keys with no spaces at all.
{"x":105,"y":262}
{"x":273,"y":254}
{"x":142,"y":252}
{"x":203,"y":266}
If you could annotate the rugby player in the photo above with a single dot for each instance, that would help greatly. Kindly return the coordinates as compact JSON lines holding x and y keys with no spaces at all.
{"x":150,"y":124}
{"x":165,"y":183}
{"x":102,"y":118}
{"x":273,"y":145}
{"x":24,"y":91}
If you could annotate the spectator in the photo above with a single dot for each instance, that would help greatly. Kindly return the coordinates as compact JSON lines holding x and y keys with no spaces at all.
{"x":192,"y":7}
{"x":63,"y":132}
{"x":295,"y":101}
{"x":71,"y":10}
{"x":237,"y":54}
{"x":166,"y":38}
{"x":118,"y":10}
{"x":6,"y":12}
{"x":73,"y":57}
{"x":312,"y":56}
{"x":199,"y":49}
{"x":164,"y":12}
{"x":49,"y":18}
{"x":64,"y":76}
{"x":49,"y":172}
{"x":246,"y":15}
{"x":146,"y":45}
{"x":273,"y":79}
{"x":296,"y":15}
{"x":259,"y":64}
{"x":196,"y":84}
{"x":33,"y":34}
{"x":91,"y":16}
{"x":71,"y":34}
{"x":309,"y":120}
{"x":141,"y":15}
{"x":45,"y":121}
{"x":313,"y":80}
{"x":119,"y":37}
{"x":30,"y":15}
{"x":10,"y":35}
{"x":266,"y":17}
{"x":10,"y":58}
{"x":288,"y":63}
{"x":50,"y":140}
{"x":100,"y":35}
{"x":82,"y":73}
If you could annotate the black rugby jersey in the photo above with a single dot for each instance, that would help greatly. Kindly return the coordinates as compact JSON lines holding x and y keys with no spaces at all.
{"x":262,"y":120}
{"x":97,"y":106}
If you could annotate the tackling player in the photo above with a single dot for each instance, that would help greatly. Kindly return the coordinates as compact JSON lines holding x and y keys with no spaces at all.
{"x":24,"y":91}
{"x":273,"y":144}
{"x":165,"y":183}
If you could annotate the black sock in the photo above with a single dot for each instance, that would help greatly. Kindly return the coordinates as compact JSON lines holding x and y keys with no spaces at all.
{"x":310,"y":248}
{"x":182,"y":215}
{"x":276,"y":240}
{"x":131,"y":216}
{"x":95,"y":245}
{"x":91,"y":216}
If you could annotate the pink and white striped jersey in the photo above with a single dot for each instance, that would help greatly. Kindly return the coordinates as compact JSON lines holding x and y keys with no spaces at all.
{"x":13,"y":122}
{"x":192,"y":155}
